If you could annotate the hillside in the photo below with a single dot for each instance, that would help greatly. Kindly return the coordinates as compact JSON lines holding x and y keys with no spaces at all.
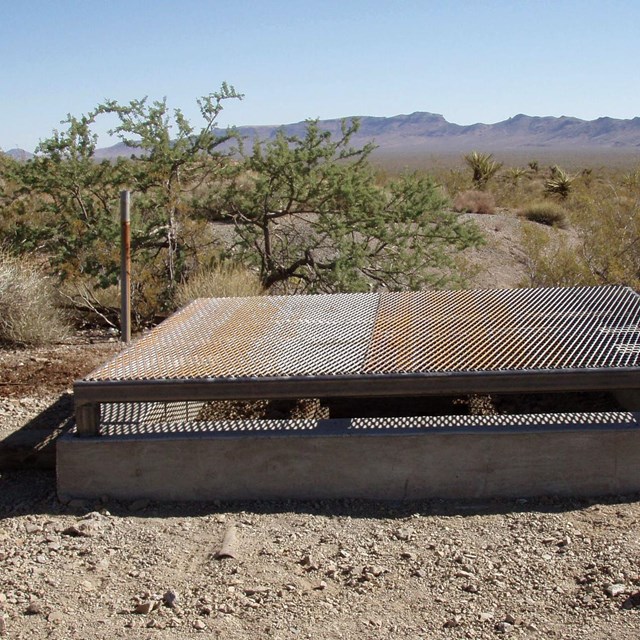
{"x":429,"y":133}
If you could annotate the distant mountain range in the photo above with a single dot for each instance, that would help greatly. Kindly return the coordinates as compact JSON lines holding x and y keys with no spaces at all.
{"x":422,"y":132}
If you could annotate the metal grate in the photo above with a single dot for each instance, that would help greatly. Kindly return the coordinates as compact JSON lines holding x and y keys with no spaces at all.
{"x":423,"y":331}
{"x":498,"y":330}
{"x":261,"y":336}
{"x":411,"y":343}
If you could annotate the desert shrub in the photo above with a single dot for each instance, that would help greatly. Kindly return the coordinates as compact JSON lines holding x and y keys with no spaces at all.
{"x":514,"y":174}
{"x":474,"y":202}
{"x":30,"y":312}
{"x":549,"y":213}
{"x":222,"y":280}
{"x":551,"y":260}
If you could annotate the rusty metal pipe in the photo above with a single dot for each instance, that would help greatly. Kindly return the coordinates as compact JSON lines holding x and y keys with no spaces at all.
{"x":125,"y":267}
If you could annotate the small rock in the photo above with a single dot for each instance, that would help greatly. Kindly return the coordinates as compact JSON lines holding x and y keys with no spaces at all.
{"x":485,"y":616}
{"x":33,"y":528}
{"x":404,"y":533}
{"x":3,"y":625}
{"x":252,"y":591}
{"x":170,"y":599}
{"x":82,"y":530}
{"x":320,"y":586}
{"x":87,"y":585}
{"x":614,"y":590}
{"x":452,"y":622}
{"x":200,"y":625}
{"x":34,"y":609}
{"x":143,"y":608}
{"x":503,"y":627}
{"x":464,"y":574}
{"x":509,"y":619}
{"x":470,"y":588}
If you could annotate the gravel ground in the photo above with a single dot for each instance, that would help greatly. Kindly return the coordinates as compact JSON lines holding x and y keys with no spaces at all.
{"x":330,"y":569}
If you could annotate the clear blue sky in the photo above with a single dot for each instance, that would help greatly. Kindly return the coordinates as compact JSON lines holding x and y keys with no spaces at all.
{"x":470,"y":60}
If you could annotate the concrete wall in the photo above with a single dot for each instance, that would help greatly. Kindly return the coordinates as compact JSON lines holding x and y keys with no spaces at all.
{"x":434,"y":464}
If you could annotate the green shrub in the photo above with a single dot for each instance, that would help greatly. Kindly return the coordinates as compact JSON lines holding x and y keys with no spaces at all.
{"x":474,"y":202}
{"x":223,"y":280}
{"x":29,"y":303}
{"x":549,"y":213}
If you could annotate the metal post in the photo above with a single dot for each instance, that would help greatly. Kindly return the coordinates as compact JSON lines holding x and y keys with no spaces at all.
{"x":125,"y":267}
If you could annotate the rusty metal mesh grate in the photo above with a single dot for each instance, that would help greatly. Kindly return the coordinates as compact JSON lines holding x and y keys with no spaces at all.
{"x":388,"y":333}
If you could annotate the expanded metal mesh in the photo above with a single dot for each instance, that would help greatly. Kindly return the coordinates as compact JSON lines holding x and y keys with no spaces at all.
{"x":388,"y":333}
{"x":260,"y":336}
{"x":495,"y":330}
{"x":576,"y":421}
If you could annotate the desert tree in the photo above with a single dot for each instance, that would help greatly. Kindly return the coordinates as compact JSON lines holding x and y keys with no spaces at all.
{"x":65,"y":206}
{"x":171,"y":160}
{"x":310,"y":215}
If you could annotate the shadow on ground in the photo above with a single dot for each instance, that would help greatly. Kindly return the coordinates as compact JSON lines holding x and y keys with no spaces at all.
{"x":33,"y":446}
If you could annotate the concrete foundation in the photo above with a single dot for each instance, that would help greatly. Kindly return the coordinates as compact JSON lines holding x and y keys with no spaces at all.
{"x":334,"y":460}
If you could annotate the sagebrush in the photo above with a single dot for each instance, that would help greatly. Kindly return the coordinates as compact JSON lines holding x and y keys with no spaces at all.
{"x":30,"y":307}
{"x":549,"y":213}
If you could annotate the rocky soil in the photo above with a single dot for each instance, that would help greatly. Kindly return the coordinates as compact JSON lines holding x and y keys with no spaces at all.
{"x":339,"y":569}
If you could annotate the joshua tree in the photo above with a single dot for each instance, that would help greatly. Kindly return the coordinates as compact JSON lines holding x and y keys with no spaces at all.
{"x":484,"y":167}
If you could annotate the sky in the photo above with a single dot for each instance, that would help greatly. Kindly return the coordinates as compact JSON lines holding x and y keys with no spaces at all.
{"x":469,"y":60}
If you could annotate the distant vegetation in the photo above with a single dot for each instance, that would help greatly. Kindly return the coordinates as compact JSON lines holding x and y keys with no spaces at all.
{"x":300,"y":213}
{"x":293,"y":214}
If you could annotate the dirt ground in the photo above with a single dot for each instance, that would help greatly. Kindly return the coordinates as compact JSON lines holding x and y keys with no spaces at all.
{"x":332,"y":569}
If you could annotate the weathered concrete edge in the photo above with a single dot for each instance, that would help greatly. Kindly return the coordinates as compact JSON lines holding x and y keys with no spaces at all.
{"x":394,"y":467}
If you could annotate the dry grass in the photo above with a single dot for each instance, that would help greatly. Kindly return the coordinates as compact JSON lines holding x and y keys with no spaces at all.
{"x":474,"y":201}
{"x":29,"y":302}
{"x":223,"y":280}
{"x":549,"y":213}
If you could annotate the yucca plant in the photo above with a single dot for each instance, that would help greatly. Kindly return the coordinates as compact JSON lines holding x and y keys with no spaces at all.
{"x":483,"y":166}
{"x":559,"y":183}
{"x":515,"y":173}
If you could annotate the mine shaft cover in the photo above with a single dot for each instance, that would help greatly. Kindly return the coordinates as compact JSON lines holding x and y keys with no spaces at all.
{"x":389,"y":343}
